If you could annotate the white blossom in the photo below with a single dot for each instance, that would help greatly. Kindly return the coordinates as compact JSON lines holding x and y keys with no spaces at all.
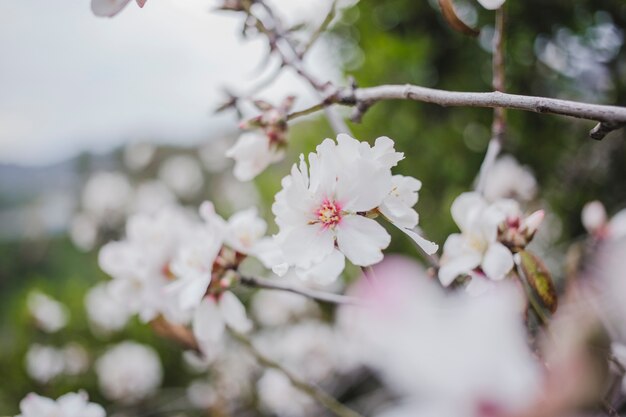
{"x":129,"y":372}
{"x":140,"y":264}
{"x":491,"y":4}
{"x":321,"y":208}
{"x":105,"y":313}
{"x":75,"y":359}
{"x":44,"y":363}
{"x":109,"y":8}
{"x":279,"y":397}
{"x":152,"y":196}
{"x":477,"y":245}
{"x":214,"y":314}
{"x":508,"y":179}
{"x":183,"y":174}
{"x":138,"y":156}
{"x":106,"y":197}
{"x":68,"y":405}
{"x":253,"y":152}
{"x":84,"y":231}
{"x":595,"y":220}
{"x":49,"y":314}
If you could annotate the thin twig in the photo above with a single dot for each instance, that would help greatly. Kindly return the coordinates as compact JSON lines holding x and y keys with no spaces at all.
{"x":316,"y":393}
{"x":321,"y":296}
{"x":498,"y":126}
{"x":320,"y":29}
{"x":276,"y":38}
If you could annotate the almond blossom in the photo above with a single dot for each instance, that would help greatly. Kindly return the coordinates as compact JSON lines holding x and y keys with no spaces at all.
{"x":253,"y":152}
{"x":129,"y":372}
{"x":485,"y":229}
{"x":597,"y":223}
{"x":214,"y":315}
{"x":491,"y":4}
{"x":109,"y":8}
{"x":140,"y":264}
{"x":325,"y":208}
{"x":68,"y":405}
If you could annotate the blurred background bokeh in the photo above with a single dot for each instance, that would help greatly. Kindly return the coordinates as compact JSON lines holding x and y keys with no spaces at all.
{"x":103,"y":118}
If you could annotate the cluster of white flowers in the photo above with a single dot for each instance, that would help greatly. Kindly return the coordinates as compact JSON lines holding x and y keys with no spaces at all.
{"x":68,"y":405}
{"x":174,"y":265}
{"x":489,"y":233}
{"x":325,"y":209}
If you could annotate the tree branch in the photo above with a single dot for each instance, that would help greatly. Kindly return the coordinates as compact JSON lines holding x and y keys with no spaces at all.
{"x":321,"y":296}
{"x":610,"y":117}
{"x":314,"y":392}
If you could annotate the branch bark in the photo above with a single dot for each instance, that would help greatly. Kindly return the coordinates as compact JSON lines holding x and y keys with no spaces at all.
{"x":609,"y":117}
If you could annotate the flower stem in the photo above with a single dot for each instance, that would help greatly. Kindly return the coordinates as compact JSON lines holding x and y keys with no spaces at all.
{"x":321,"y":296}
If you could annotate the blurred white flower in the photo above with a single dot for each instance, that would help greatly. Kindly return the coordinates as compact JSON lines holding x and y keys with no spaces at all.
{"x":152,"y":196}
{"x":75,"y":359}
{"x":68,"y":405}
{"x":105,"y":313}
{"x":213,"y":155}
{"x":237,"y":194}
{"x":44,"y":363}
{"x":84,"y":232}
{"x":109,"y":8}
{"x":106,"y":196}
{"x":183,"y":174}
{"x":448,"y":351}
{"x":278,"y":308}
{"x":137,"y":156}
{"x":279,"y":397}
{"x":477,"y":245}
{"x":508,"y":179}
{"x":491,"y":4}
{"x":595,"y":220}
{"x":201,"y":394}
{"x":129,"y":372}
{"x":49,"y":314}
{"x":309,"y":349}
{"x":253,"y":152}
{"x":214,"y":315}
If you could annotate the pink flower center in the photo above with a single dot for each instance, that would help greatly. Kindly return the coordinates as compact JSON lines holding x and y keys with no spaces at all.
{"x":329,"y":213}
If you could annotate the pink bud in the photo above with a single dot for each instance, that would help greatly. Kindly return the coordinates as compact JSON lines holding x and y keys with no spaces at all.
{"x":532,"y":222}
{"x":593,"y":216}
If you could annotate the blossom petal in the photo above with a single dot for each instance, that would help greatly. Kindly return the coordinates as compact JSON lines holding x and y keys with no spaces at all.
{"x":208,"y":324}
{"x":497,"y":262}
{"x":107,"y":8}
{"x":491,"y":4}
{"x":364,"y":186}
{"x":428,"y":246}
{"x":362,"y":240}
{"x":457,"y":259}
{"x":325,"y":272}
{"x":466,"y":208}
{"x":234,"y":312}
{"x":305,"y":245}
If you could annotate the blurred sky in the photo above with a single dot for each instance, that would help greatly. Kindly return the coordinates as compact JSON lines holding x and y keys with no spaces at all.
{"x":70,"y":81}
